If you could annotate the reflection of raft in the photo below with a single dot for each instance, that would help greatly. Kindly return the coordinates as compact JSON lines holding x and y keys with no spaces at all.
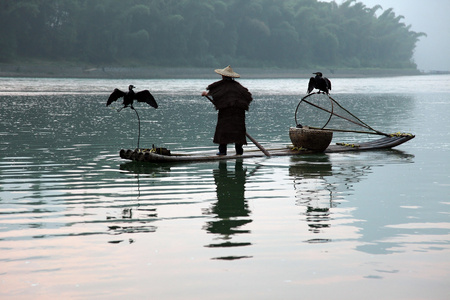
{"x":149,"y":155}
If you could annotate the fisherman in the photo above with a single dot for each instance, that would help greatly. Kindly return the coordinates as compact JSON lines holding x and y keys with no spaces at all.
{"x":231,"y":99}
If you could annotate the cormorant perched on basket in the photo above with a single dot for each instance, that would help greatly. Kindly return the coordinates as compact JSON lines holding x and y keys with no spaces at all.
{"x":130,"y":96}
{"x":321,"y":83}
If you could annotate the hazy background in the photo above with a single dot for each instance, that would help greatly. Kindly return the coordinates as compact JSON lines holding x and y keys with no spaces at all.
{"x":430,"y":16}
{"x":407,"y":37}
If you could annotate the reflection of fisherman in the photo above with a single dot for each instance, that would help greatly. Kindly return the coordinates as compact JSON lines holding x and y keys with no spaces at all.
{"x":232,"y":100}
{"x":231,"y":207}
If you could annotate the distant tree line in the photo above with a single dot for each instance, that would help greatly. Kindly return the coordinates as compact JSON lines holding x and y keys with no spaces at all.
{"x":205,"y":33}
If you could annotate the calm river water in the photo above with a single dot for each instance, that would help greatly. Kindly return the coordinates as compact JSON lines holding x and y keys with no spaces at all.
{"x":78,"y":222}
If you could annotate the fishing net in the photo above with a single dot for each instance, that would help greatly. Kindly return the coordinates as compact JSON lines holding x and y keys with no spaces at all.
{"x":321,"y":111}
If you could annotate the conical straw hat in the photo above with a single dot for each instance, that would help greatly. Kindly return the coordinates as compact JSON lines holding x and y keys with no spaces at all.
{"x":228,"y":72}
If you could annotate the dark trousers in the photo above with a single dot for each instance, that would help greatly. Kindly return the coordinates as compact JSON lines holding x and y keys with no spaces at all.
{"x":238,"y":147}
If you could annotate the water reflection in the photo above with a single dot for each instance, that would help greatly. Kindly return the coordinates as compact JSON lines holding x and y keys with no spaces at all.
{"x":228,"y":214}
{"x":321,"y":185}
{"x":230,"y":211}
{"x":313,"y":191}
{"x":132,"y":216}
{"x":133,"y":219}
{"x":139,"y":168}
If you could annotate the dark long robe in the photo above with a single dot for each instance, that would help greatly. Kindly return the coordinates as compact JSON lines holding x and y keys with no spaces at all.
{"x":232,"y":100}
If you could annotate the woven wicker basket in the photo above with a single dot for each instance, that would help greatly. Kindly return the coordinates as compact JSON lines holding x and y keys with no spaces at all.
{"x":312,"y":139}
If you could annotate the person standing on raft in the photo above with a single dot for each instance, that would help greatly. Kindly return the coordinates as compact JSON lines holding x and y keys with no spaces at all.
{"x":231,"y":99}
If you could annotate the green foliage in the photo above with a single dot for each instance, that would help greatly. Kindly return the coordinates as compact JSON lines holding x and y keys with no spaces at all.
{"x":266,"y":33}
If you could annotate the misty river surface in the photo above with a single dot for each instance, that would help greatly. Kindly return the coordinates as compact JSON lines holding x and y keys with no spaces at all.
{"x":76,"y":221}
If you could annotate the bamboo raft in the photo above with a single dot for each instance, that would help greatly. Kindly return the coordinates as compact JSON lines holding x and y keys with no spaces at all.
{"x":155,"y":156}
{"x":305,"y":139}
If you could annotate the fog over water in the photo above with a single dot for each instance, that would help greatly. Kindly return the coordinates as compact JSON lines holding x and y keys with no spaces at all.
{"x":430,"y":17}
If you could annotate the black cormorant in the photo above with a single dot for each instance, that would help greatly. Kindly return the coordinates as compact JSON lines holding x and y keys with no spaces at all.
{"x":320,"y":83}
{"x":130,"y":96}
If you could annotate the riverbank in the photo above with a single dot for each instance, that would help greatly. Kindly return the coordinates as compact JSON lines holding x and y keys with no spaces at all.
{"x":116,"y":72}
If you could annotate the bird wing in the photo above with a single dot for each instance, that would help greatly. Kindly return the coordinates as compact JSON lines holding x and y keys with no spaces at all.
{"x":328,"y":83}
{"x":312,"y":84}
{"x":116,"y":94}
{"x":145,"y":96}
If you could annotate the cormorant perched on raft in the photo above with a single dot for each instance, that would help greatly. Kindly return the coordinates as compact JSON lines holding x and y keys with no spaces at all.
{"x":130,"y":96}
{"x":321,"y":83}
